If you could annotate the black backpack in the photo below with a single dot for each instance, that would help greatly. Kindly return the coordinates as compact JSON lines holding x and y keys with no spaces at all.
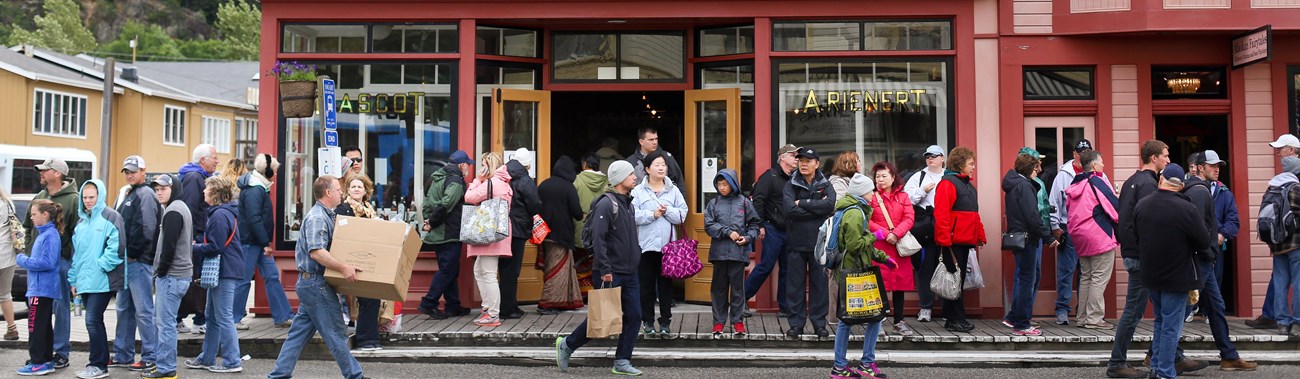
{"x":1276,"y":221}
{"x":587,"y":239}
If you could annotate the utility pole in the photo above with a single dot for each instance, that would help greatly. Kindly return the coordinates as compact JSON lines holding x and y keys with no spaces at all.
{"x":133,"y":45}
{"x":106,"y":119}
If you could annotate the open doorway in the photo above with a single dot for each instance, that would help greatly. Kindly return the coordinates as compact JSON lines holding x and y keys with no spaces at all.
{"x":583,"y":122}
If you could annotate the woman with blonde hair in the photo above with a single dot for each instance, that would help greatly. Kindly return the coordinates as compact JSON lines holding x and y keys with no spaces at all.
{"x":846,"y":164}
{"x":491,"y":181}
{"x":233,"y":170}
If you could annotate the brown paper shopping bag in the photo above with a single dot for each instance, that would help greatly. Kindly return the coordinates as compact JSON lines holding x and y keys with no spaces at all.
{"x":605,"y":312}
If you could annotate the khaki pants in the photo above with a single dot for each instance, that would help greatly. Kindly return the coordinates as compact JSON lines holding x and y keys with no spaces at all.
{"x":1094,"y":274}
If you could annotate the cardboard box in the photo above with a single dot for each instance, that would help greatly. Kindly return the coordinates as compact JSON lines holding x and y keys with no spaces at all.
{"x":385,"y":252}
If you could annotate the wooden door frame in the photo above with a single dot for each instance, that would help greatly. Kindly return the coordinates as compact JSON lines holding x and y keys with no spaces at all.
{"x":697,"y":287}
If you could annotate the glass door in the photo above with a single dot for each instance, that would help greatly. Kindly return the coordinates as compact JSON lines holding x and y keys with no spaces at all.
{"x":712,"y":144}
{"x":1054,"y":138}
{"x":522,"y":118}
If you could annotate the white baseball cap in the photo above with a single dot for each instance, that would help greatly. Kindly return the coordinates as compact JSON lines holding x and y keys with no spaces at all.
{"x":1286,"y":140}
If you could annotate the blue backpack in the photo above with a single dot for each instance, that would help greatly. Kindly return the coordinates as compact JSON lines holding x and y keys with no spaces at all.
{"x":827,"y":250}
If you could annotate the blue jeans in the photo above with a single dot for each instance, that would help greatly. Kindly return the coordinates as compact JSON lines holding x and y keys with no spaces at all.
{"x":167,"y":299}
{"x":1286,"y":277}
{"x":631,"y":299}
{"x":773,"y":254}
{"x":221,"y":339}
{"x":1267,"y":310}
{"x":443,"y":285}
{"x":254,"y":260}
{"x":63,"y":313}
{"x":96,"y":304}
{"x":842,"y":333}
{"x":1169,"y":308}
{"x":1028,"y":262}
{"x":318,"y":310}
{"x":1067,"y":264}
{"x":1215,"y":310}
{"x":135,"y":307}
{"x":1135,"y":306}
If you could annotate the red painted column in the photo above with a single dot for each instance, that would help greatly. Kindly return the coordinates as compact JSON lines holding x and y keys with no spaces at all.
{"x":763,"y":131}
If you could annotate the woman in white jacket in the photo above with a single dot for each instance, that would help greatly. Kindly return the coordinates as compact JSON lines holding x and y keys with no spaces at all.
{"x":659,"y":209}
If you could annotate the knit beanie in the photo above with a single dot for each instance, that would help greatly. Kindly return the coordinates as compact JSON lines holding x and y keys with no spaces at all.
{"x":619,"y":171}
{"x":859,"y":185}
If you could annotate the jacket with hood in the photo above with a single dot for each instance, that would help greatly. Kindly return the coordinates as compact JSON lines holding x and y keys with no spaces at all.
{"x":957,"y":212}
{"x":43,"y":265}
{"x":478,"y":193}
{"x":898,"y":205}
{"x":607,"y":157}
{"x":1141,"y":184}
{"x":857,"y":242}
{"x":1293,"y":198}
{"x":731,"y":213}
{"x":816,"y":203}
{"x":1169,"y":232}
{"x":97,"y":243}
{"x":1022,"y":208}
{"x":140,"y":212}
{"x":175,"y":254}
{"x":1225,"y":209}
{"x":1044,"y":207}
{"x":562,"y":203}
{"x":221,"y":239}
{"x":840,"y":184}
{"x":653,"y":233}
{"x":613,"y":236}
{"x":256,"y":222}
{"x":590,"y":185}
{"x":638,"y":167}
{"x":193,"y":181}
{"x":769,"y":197}
{"x":442,"y":205}
{"x":1093,"y":217}
{"x":1064,"y":177}
{"x":70,"y":198}
{"x":525,"y":203}
{"x":1198,"y":191}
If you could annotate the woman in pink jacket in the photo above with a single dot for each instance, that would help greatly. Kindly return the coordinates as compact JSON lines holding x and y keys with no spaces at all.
{"x":1093,"y":219}
{"x":490,"y":170}
{"x":889,"y":198}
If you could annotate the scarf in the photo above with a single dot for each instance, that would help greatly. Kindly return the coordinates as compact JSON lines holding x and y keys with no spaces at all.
{"x":361,"y":209}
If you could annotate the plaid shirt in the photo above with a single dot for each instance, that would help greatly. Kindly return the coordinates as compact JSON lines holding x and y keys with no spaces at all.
{"x":317,"y":232}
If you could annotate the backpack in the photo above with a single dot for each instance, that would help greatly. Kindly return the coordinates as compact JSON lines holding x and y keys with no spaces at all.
{"x":1276,"y":221}
{"x":827,"y":250}
{"x":587,"y":239}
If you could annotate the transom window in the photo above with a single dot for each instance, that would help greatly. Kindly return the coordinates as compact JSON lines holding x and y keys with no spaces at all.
{"x":861,"y":35}
{"x":1058,"y":83}
{"x":601,"y":56}
{"x":726,"y":41}
{"x":369,"y":38}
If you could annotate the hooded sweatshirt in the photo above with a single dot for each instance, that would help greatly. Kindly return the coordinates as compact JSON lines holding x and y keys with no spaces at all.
{"x":1093,"y":217}
{"x":442,"y":205}
{"x":607,"y":157}
{"x":1022,"y":208}
{"x":70,"y":199}
{"x":478,"y":193}
{"x":653,"y":233}
{"x":221,"y":239}
{"x":731,"y":213}
{"x":1293,"y":198}
{"x":525,"y":202}
{"x":562,"y":204}
{"x":175,"y":256}
{"x":256,"y":222}
{"x":590,"y":185}
{"x":193,"y":181}
{"x":43,"y":265}
{"x":97,"y":244}
{"x":854,"y":238}
{"x":1064,"y":177}
{"x":1198,"y":191}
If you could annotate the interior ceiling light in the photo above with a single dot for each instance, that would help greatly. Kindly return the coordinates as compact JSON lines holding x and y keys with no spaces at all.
{"x":1184,"y":83}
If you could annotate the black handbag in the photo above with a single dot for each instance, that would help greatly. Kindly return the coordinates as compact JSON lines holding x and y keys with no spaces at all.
{"x":1014,"y":240}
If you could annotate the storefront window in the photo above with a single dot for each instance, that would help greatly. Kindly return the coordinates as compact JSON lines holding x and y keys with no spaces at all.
{"x":369,"y":38}
{"x":402,"y":126}
{"x":586,"y":57}
{"x":1058,"y":83}
{"x":1293,"y":83}
{"x":883,"y":110}
{"x":856,"y":35}
{"x":506,"y":41}
{"x":726,"y":41}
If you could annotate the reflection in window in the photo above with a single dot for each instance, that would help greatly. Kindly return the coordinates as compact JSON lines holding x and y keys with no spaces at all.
{"x":651,"y":56}
{"x":726,"y":41}
{"x":596,"y":56}
{"x":382,"y":38}
{"x":488,"y":74}
{"x":333,"y":38}
{"x":585,"y":56}
{"x":1052,"y":83}
{"x":1188,"y":83}
{"x":399,"y":38}
{"x":506,"y":41}
{"x":854,"y":35}
{"x":816,"y":36}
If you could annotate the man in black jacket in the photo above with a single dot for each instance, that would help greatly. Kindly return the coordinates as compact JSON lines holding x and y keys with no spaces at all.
{"x":140,"y":214}
{"x":768,"y":200}
{"x":1169,"y":232}
{"x":617,"y":257}
{"x":809,"y":199}
{"x":523,"y":206}
{"x":647,"y":139}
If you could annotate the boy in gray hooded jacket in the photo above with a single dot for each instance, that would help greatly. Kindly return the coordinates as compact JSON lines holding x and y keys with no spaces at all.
{"x":733,"y":223}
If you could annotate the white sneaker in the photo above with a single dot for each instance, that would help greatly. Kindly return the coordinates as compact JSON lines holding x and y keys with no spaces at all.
{"x":923,"y":316}
{"x":241,"y":326}
{"x":182,"y":328}
{"x":200,"y":329}
{"x":92,"y":372}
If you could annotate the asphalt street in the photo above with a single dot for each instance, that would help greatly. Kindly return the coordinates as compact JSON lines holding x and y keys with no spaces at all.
{"x":433,"y":368}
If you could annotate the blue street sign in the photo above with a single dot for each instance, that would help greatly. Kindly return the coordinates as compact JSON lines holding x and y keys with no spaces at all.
{"x":331,"y":138}
{"x":331,"y":122}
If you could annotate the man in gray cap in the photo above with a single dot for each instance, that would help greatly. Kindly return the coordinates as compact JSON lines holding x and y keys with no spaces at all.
{"x":920,"y":189}
{"x":1209,"y":167}
{"x":139,"y":210}
{"x":768,"y":202}
{"x":61,"y":189}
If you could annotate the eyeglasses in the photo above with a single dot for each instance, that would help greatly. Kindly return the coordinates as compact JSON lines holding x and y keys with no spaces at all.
{"x":358,"y":160}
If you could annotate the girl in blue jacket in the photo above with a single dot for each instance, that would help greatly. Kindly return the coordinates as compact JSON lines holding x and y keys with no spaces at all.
{"x":42,"y":285}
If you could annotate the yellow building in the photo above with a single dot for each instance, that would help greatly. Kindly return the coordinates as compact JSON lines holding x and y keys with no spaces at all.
{"x":161,"y":111}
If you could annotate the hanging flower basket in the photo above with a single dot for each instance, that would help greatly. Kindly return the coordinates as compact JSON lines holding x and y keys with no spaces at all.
{"x":298,"y":98}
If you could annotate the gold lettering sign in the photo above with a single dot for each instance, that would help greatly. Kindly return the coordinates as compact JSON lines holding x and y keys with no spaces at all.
{"x":385,"y":103}
{"x":869,"y":101}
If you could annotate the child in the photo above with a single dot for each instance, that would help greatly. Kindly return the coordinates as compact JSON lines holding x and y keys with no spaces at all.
{"x":856,"y":242}
{"x":42,"y":285}
{"x":733,"y":223}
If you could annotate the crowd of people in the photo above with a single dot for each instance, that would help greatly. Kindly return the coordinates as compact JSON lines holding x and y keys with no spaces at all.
{"x":190,"y":244}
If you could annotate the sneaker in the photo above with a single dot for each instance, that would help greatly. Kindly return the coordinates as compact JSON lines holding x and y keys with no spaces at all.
{"x":1030,"y":331}
{"x":284,"y":324}
{"x":1191,"y":315}
{"x":371,"y":348}
{"x":487,"y":320}
{"x":159,"y":375}
{"x":1101,"y":325}
{"x":60,"y":361}
{"x":1062,"y":319}
{"x":739,"y":329}
{"x":717,"y":330}
{"x":648,"y":328}
{"x":36,"y":369}
{"x":870,"y":370}
{"x":562,"y":354}
{"x":241,"y":326}
{"x":182,"y":328}
{"x":1237,"y":365}
{"x":115,"y":364}
{"x":665,"y":332}
{"x":194,"y":364}
{"x":200,"y":329}
{"x":903,"y":328}
{"x":225,"y":370}
{"x":1262,"y":322}
{"x":142,"y":366}
{"x":1125,"y":371}
{"x":624,"y":367}
{"x":923,"y":316}
{"x":92,"y":372}
{"x":843,"y":373}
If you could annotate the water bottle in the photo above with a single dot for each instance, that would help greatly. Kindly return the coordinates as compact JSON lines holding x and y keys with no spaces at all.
{"x":76,"y":306}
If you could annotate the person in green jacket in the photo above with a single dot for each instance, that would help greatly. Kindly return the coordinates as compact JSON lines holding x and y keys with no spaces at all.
{"x":857,"y":242}
{"x":59,"y":188}
{"x":1044,"y":207}
{"x":590,"y":184}
{"x":96,"y":243}
{"x":442,"y":212}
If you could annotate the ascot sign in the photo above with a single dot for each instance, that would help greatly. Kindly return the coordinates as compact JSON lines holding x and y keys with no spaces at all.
{"x":1253,"y":46}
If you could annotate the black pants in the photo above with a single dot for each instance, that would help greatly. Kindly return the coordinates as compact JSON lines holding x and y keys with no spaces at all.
{"x":898,"y":306}
{"x":728,"y":291}
{"x":806,"y":290}
{"x":953,"y":310}
{"x":367,"y":322}
{"x":508,"y":268}
{"x":40,"y":329}
{"x":655,"y":286}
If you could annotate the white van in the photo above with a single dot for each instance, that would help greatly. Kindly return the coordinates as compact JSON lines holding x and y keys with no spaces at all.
{"x":18,"y":174}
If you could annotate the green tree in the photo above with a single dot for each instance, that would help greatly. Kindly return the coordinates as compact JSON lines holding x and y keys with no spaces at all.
{"x":59,"y":29}
{"x":153,"y":45}
{"x":211,"y":49}
{"x":240,"y":25}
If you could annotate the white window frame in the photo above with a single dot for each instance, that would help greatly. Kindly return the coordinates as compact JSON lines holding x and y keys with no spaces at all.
{"x":65,"y":121}
{"x":217,"y":132}
{"x":173,"y":125}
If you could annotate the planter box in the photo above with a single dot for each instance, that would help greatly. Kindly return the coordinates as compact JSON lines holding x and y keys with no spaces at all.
{"x":298,"y":98}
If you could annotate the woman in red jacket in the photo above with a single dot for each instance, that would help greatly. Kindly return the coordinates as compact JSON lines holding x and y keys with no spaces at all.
{"x":957,"y":227}
{"x":892,"y":213}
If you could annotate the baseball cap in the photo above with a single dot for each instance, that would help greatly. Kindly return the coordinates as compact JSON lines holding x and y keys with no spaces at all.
{"x":1030,"y":152}
{"x":53,"y":164}
{"x":1082,"y":145}
{"x":933,"y":151}
{"x":1286,"y":140}
{"x":459,"y":157}
{"x":133,"y":163}
{"x":1173,"y":171}
{"x":807,"y":152}
{"x":787,"y":149}
{"x":162,"y":180}
{"x":1209,"y":157}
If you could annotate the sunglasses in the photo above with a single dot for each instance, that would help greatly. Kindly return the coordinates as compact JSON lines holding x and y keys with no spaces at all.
{"x":358,"y":160}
